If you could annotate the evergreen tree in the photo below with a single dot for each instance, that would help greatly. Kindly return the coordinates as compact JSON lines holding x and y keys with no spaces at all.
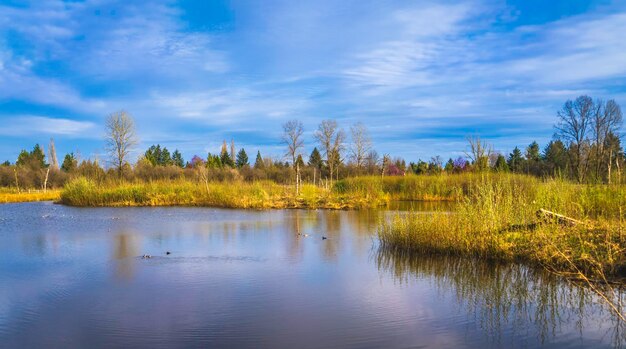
{"x":315,"y":159}
{"x":501,"y":165}
{"x":152,"y":154}
{"x":69,"y":163}
{"x":516,"y":161}
{"x":213,"y":161}
{"x":177,"y":159}
{"x":225,"y":158}
{"x":449,"y":166}
{"x":23,"y":158}
{"x":258,"y":163}
{"x":6,"y":163}
{"x":555,"y":156}
{"x":165,"y":159}
{"x":532,"y":152}
{"x":242,"y":158}
{"x":299,"y":161}
{"x":34,"y":159}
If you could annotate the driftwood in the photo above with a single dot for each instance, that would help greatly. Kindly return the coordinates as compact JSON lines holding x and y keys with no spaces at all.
{"x":548,"y":216}
{"x":544,"y":216}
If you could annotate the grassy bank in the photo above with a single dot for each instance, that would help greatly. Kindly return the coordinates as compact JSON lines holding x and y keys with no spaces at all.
{"x":496,"y":219}
{"x":359,"y":192}
{"x":257,"y":195}
{"x":8,"y":195}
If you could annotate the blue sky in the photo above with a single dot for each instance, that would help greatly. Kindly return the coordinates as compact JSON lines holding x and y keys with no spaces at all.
{"x":422,"y":75}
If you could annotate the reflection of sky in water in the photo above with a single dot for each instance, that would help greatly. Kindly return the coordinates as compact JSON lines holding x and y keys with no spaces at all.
{"x":74,"y":277}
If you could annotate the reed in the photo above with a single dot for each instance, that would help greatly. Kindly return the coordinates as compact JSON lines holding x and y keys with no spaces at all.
{"x":231,"y":194}
{"x":495,"y":219}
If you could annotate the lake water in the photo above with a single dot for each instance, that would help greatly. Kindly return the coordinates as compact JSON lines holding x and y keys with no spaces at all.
{"x":74,"y":277}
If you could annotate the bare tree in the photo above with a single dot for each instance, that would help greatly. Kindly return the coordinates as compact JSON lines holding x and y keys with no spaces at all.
{"x":120,"y":138}
{"x":361,"y":144}
{"x":606,"y":120}
{"x":331,"y":141}
{"x":574,"y":120}
{"x":52,"y":155}
{"x":479,"y":153}
{"x":292,"y":137}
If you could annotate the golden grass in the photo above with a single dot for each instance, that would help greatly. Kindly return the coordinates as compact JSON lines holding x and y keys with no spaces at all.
{"x":24,"y":196}
{"x":257,"y":195}
{"x":496,"y":220}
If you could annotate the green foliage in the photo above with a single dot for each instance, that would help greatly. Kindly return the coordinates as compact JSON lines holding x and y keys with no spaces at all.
{"x":214,"y":161}
{"x":532,"y":152}
{"x":158,"y":156}
{"x":177,"y":159}
{"x":258,"y":163}
{"x":501,"y":165}
{"x":299,"y":161}
{"x":242,"y":159}
{"x":516,"y":161}
{"x":449,"y":166}
{"x":34,"y":159}
{"x":496,"y":219}
{"x":315,"y":159}
{"x":69,"y":163}
{"x":226,"y":159}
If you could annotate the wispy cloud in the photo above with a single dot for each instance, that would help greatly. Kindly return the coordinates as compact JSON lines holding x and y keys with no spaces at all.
{"x":40,"y":125}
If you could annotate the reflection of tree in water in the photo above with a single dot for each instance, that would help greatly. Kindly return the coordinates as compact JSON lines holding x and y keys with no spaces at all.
{"x":295,"y":227}
{"x":332,"y":230}
{"x":124,"y":252}
{"x":506,"y":296}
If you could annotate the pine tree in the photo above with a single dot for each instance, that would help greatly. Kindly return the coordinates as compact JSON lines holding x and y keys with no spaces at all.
{"x":516,"y":161}
{"x":164,"y":158}
{"x":213,"y":161}
{"x":258,"y":163}
{"x":555,"y":156}
{"x":242,"y":158}
{"x":152,"y":154}
{"x":299,"y":162}
{"x":225,"y":158}
{"x":532,"y":152}
{"x":501,"y":165}
{"x":177,"y":159}
{"x":38,"y":156}
{"x":449,"y":166}
{"x":69,"y":163}
{"x":315,"y":159}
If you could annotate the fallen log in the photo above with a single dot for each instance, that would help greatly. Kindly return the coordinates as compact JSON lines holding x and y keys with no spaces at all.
{"x":549,"y":216}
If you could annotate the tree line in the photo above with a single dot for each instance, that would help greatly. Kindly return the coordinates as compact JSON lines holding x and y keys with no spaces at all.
{"x":586,"y":147}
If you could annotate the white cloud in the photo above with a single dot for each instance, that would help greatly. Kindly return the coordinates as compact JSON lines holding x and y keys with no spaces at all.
{"x":37,"y":125}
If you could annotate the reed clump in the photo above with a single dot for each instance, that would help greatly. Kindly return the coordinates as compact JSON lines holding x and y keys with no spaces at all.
{"x":496,"y":219}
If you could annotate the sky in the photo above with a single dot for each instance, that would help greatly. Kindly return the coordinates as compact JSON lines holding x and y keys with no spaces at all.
{"x":421,"y":75}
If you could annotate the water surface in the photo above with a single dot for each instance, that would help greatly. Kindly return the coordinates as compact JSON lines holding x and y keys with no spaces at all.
{"x":74,"y":277}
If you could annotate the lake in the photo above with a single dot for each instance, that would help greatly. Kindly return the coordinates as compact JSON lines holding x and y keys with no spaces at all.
{"x":75,"y":277}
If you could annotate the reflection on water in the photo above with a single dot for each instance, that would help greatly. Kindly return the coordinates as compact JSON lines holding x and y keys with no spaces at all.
{"x":73,"y":277}
{"x":500,"y":295}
